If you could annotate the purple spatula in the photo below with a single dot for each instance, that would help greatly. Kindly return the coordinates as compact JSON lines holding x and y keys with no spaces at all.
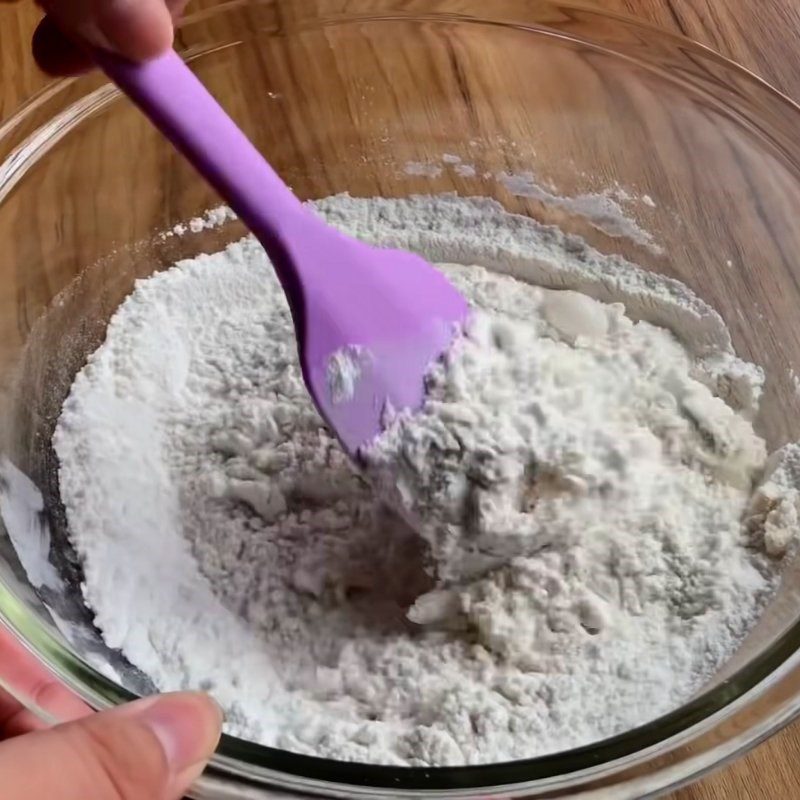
{"x":369,"y":321}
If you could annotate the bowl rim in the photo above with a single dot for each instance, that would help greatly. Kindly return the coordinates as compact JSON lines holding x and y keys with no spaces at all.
{"x":691,"y":739}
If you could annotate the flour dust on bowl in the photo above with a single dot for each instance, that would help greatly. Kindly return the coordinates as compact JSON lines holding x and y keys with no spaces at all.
{"x":603,"y":598}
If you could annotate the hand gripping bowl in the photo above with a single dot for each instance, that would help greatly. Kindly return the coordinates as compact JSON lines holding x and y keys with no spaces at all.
{"x":360,"y":97}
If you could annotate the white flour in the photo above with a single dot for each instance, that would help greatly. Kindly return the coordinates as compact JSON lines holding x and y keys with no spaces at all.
{"x":559,"y":428}
{"x":228,"y":544}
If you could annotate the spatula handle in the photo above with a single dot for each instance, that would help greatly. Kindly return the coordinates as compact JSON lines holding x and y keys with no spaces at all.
{"x":182,"y":108}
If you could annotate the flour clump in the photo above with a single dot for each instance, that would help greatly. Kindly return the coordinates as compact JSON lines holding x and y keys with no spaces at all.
{"x":592,"y":549}
{"x":570,"y":429}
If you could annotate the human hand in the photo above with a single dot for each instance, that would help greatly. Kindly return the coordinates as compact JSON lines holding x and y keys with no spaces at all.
{"x":136,"y":29}
{"x":148,"y":750}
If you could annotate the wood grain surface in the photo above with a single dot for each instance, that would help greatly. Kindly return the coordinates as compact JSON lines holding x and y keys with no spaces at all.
{"x":765,"y":37}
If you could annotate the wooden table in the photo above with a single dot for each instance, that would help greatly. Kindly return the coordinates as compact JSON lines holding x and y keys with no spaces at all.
{"x":764,"y":36}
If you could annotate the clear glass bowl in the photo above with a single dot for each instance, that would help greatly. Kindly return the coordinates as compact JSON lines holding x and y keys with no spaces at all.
{"x":349,"y":96}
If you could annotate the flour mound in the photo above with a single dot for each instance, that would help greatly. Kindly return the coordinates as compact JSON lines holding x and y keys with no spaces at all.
{"x":576,"y":449}
{"x":228,"y":544}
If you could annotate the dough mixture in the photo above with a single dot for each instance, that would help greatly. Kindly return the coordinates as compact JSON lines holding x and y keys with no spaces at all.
{"x":589,"y":523}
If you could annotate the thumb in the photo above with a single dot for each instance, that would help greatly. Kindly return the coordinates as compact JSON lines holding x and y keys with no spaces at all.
{"x":149,"y":750}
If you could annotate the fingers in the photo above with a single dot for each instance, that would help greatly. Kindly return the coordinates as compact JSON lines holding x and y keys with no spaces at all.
{"x":149,"y":750}
{"x":15,"y":719}
{"x":135,"y":29}
{"x":55,"y":53}
{"x":20,"y":671}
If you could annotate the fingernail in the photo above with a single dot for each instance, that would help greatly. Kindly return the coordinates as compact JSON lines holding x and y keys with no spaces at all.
{"x":187,"y":725}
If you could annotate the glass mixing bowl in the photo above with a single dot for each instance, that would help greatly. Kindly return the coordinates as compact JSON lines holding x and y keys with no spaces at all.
{"x":544,"y":102}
